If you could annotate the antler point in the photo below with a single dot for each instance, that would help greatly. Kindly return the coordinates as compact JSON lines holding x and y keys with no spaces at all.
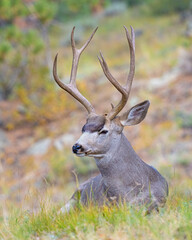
{"x":72,"y":32}
{"x":55,"y":60}
{"x":101,"y":55}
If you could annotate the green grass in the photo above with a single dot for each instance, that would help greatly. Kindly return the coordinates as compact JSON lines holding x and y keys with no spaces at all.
{"x":156,"y":52}
{"x":123,"y":222}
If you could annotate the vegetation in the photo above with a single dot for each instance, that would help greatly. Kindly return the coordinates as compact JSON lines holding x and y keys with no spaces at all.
{"x":21,"y":42}
{"x":184,"y":120}
{"x":115,"y":222}
{"x":156,"y":7}
{"x":33,"y":188}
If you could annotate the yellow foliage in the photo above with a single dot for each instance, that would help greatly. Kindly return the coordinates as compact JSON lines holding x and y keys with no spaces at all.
{"x":83,"y":88}
{"x":46,"y":106}
{"x":148,"y":133}
{"x":146,"y":137}
{"x":23,"y":95}
{"x":164,"y":125}
{"x":10,"y":126}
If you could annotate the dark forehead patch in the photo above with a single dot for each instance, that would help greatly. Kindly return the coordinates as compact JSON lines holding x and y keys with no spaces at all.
{"x":94,"y":124}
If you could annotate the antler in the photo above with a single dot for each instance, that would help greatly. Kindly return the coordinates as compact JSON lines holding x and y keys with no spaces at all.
{"x":125,"y":91}
{"x":71,"y":88}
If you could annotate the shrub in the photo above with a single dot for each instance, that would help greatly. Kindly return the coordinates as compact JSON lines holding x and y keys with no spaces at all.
{"x":156,"y":7}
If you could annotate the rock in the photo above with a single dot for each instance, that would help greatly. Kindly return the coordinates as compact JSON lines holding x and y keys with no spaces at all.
{"x":185,"y":62}
{"x":64,"y":140}
{"x":3,"y":140}
{"x":184,"y":16}
{"x":115,"y":9}
{"x":1,"y":96}
{"x":40,"y":148}
{"x":1,"y":120}
{"x":138,"y":32}
{"x":22,"y":109}
{"x":164,"y":80}
{"x":188,"y":31}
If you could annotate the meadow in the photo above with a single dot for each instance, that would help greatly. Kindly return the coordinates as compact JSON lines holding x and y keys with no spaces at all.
{"x":35,"y":186}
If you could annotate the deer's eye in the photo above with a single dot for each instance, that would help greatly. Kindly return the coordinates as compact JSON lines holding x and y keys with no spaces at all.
{"x":103,"y":132}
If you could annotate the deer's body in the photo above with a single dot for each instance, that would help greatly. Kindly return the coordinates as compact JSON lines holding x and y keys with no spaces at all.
{"x":123,"y":175}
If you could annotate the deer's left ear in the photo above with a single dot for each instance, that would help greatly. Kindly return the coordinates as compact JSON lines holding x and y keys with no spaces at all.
{"x":135,"y":115}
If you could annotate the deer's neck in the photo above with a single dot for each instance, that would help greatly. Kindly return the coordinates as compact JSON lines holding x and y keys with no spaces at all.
{"x":121,"y":165}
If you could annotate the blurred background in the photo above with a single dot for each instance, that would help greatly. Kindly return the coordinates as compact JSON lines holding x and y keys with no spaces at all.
{"x":39,"y":122}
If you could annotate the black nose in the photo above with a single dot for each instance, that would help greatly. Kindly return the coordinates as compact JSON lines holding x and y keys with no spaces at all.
{"x":76,"y":147}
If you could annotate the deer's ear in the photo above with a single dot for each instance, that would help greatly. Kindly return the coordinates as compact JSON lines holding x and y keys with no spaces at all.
{"x":135,"y":115}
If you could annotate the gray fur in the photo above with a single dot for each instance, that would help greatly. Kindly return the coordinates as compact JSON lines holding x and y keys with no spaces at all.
{"x":123,"y":175}
{"x":94,"y":124}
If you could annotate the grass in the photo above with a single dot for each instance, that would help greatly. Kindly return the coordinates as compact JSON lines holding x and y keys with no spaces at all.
{"x":156,"y":51}
{"x":114,"y":222}
{"x":123,"y":222}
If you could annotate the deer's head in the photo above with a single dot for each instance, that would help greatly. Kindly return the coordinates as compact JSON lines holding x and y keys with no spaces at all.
{"x":101,"y":133}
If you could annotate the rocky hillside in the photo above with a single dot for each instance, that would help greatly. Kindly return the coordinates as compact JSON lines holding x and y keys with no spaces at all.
{"x":35,"y":152}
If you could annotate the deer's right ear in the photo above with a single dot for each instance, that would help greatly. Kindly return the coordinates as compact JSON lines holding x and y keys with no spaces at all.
{"x":135,"y":115}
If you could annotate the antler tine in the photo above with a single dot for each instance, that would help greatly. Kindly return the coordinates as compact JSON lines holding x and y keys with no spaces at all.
{"x":76,"y":54}
{"x":109,"y":75}
{"x":123,"y":90}
{"x":131,"y":41}
{"x":71,"y":88}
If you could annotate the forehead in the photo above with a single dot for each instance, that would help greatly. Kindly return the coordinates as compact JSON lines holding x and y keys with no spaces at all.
{"x":94,"y":124}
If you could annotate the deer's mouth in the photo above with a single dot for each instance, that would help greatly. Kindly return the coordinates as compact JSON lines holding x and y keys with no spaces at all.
{"x":89,"y":154}
{"x":83,"y":154}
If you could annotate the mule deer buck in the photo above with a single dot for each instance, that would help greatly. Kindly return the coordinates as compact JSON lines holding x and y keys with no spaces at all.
{"x":123,"y":175}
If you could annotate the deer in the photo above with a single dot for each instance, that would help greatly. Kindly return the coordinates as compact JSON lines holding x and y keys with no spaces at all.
{"x":124,"y":176}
